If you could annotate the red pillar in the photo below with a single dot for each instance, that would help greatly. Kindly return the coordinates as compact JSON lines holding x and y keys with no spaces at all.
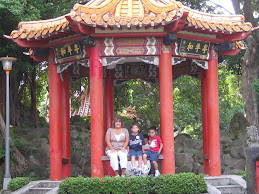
{"x":205,"y":121}
{"x":166,"y":109}
{"x":55,"y":133}
{"x":65,"y":125}
{"x":213,"y":116}
{"x":96,"y":100}
{"x":108,"y":111}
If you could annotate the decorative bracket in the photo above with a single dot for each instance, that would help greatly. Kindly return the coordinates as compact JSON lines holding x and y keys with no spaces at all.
{"x":63,"y":67}
{"x":112,"y":61}
{"x":201,"y":63}
{"x":177,"y":60}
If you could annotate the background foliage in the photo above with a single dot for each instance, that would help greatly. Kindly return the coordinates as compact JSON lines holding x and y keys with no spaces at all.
{"x":30,"y":79}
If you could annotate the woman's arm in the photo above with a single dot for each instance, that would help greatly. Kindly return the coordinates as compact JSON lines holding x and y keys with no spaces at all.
{"x":108,"y":142}
{"x":126,"y":143}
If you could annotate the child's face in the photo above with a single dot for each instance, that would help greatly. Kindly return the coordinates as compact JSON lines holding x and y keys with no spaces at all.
{"x":152,"y":133}
{"x":134,"y":129}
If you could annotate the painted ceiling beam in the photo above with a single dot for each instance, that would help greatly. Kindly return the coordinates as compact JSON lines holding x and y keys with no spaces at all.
{"x":234,"y":37}
{"x":30,"y":43}
{"x":129,"y":35}
{"x":60,"y":42}
{"x":85,"y":29}
{"x":205,"y":39}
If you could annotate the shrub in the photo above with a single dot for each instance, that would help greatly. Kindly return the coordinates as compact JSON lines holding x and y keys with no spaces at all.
{"x":177,"y":183}
{"x":19,"y":182}
{"x":181,"y":183}
{"x":241,"y":173}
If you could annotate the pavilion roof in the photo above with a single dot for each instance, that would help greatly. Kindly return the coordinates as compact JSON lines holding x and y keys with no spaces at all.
{"x":120,"y":14}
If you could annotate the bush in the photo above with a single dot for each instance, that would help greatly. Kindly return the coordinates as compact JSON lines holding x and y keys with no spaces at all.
{"x":177,"y":183}
{"x":181,"y":183}
{"x":241,"y":173}
{"x":19,"y":182}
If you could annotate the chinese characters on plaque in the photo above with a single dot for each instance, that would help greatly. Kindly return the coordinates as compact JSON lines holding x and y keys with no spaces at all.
{"x":194,"y":47}
{"x":68,"y":50}
{"x":136,"y":69}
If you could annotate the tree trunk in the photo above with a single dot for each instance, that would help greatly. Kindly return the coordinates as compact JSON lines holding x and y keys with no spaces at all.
{"x":15,"y":101}
{"x":250,"y":65}
{"x":236,"y":5}
{"x":250,"y":72}
{"x":2,"y":125}
{"x":248,"y":12}
{"x":34,"y":112}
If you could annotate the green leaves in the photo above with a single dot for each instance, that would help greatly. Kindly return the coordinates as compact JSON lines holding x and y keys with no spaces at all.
{"x":187,"y":105}
{"x":171,"y":183}
{"x":19,"y":182}
{"x":144,"y":96}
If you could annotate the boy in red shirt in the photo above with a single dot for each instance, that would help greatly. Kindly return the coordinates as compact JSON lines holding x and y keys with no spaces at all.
{"x":156,"y":146}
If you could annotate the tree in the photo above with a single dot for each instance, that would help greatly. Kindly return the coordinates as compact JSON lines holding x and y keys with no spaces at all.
{"x":24,"y":76}
{"x":250,"y":62}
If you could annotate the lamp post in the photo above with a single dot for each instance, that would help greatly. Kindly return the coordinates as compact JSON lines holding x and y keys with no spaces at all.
{"x":7,"y":66}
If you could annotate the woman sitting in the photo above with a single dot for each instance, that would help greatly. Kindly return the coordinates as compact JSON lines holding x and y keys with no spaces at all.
{"x":117,"y":139}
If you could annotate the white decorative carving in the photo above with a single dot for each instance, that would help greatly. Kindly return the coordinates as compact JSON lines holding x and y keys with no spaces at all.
{"x":166,"y":49}
{"x":63,"y":67}
{"x":201,"y":63}
{"x":110,"y":61}
{"x":107,"y":61}
{"x":177,"y":60}
{"x":76,"y":69}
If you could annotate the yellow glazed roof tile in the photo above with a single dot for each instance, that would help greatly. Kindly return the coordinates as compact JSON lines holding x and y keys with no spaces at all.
{"x":132,"y":12}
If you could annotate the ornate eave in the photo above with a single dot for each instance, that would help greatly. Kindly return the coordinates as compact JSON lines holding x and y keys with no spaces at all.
{"x":216,"y":23}
{"x":128,"y":16}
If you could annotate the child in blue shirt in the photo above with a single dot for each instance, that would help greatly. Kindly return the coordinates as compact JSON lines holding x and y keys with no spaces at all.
{"x":136,"y":148}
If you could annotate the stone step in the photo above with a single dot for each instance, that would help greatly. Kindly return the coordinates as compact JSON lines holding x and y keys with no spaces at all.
{"x":221,"y":181}
{"x":228,"y":184}
{"x":47,"y":184}
{"x":39,"y":190}
{"x":230,"y":189}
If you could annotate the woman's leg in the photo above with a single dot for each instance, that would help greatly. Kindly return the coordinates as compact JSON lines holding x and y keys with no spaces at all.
{"x":123,"y":160}
{"x":114,"y":161}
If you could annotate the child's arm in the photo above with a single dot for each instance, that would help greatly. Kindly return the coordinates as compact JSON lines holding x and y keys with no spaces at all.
{"x":161,"y":147}
{"x":143,"y":149}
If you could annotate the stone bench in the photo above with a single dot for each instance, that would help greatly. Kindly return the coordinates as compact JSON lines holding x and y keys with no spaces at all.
{"x":107,"y":158}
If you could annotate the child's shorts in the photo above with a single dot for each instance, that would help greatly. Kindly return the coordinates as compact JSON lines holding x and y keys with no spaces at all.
{"x":153,"y":156}
{"x":135,"y":153}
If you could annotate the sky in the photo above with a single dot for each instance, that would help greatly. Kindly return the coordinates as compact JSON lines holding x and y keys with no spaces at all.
{"x":227,"y":4}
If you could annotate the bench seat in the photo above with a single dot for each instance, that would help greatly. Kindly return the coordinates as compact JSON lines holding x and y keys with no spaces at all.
{"x":106,"y":158}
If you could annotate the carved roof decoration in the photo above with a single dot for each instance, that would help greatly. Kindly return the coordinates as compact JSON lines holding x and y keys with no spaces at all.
{"x":127,"y":12}
{"x":110,"y":14}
